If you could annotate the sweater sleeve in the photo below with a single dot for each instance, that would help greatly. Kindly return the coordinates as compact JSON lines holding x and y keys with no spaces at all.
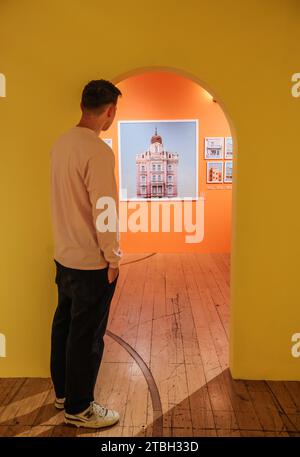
{"x":100,"y":182}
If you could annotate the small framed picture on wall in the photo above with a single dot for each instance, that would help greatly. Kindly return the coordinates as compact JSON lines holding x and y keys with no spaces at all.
{"x":214,"y":148}
{"x":108,"y":141}
{"x":214,"y":172}
{"x":228,"y":171}
{"x":228,"y":147}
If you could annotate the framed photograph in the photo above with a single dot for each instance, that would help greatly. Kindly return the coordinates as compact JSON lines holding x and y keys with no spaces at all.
{"x":108,"y":141}
{"x":158,"y":160}
{"x":214,"y":172}
{"x":228,"y":147}
{"x":228,"y":171}
{"x":214,"y":148}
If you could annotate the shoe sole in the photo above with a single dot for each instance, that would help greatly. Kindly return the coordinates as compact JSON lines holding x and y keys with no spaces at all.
{"x":59,"y":406}
{"x":87,"y":425}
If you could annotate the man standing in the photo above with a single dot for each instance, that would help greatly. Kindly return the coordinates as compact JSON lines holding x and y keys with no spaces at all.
{"x":86,"y":259}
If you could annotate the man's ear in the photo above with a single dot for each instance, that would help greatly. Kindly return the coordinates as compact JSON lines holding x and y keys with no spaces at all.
{"x":110,"y":110}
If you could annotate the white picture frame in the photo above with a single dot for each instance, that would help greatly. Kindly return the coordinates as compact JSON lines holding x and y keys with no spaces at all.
{"x":179,"y":136}
{"x":211,"y":168}
{"x":228,"y":148}
{"x":214,"y":147}
{"x":227,"y":176}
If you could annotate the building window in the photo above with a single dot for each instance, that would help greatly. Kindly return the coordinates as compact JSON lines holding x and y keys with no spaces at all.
{"x":143,"y":189}
{"x":153,"y":167}
{"x":142,"y":167}
{"x":154,"y":178}
{"x":159,"y":178}
{"x":158,"y":167}
{"x":170,"y":167}
{"x":170,"y":178}
{"x":143,"y":178}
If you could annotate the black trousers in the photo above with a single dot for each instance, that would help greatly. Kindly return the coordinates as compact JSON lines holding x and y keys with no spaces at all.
{"x":78,"y":327}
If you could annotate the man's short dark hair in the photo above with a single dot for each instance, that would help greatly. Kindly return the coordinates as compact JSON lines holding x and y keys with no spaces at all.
{"x":98,"y":93}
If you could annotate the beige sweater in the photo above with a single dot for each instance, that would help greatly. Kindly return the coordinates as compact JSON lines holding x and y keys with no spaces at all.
{"x":82,"y":170}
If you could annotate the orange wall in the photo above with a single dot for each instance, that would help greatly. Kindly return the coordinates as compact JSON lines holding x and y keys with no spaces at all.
{"x":162,"y":95}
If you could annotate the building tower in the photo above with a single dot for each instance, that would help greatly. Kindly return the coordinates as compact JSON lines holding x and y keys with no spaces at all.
{"x":156,"y":171}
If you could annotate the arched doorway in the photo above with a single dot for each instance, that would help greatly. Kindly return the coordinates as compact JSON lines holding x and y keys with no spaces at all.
{"x":172,"y":309}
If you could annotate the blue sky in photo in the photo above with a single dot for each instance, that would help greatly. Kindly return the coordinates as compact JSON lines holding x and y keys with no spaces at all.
{"x":228,"y":167}
{"x":177,"y":137}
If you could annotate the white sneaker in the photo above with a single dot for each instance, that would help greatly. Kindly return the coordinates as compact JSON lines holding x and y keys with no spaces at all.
{"x":59,"y":403}
{"x":95,"y":416}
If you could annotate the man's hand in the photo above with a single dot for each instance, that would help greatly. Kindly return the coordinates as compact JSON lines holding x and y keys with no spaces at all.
{"x":112,"y":273}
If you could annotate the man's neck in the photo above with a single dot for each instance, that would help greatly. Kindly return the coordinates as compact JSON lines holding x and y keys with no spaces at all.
{"x":89,"y":125}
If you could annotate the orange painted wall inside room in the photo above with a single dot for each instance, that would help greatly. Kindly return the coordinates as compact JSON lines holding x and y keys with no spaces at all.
{"x":168,"y":96}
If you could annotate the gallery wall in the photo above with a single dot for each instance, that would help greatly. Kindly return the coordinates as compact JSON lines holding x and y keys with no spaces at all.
{"x":168,"y":96}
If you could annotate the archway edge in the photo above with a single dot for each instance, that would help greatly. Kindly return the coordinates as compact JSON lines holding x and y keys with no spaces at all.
{"x":186,"y":74}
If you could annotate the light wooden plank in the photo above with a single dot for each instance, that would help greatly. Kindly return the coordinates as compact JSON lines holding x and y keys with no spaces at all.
{"x":144,"y":332}
{"x":125,"y":319}
{"x":202,"y":318}
{"x":135,"y":414}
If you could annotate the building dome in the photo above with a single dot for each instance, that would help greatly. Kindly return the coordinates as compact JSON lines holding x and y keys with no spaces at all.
{"x":156,"y":138}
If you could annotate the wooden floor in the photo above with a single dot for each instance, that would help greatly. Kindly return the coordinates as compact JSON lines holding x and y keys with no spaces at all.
{"x":165,"y":366}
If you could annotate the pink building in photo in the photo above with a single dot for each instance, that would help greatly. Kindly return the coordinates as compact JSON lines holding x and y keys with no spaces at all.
{"x":156,"y":171}
{"x":215,"y":175}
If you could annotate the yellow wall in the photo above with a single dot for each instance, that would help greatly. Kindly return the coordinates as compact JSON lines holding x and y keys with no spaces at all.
{"x":245,"y":54}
